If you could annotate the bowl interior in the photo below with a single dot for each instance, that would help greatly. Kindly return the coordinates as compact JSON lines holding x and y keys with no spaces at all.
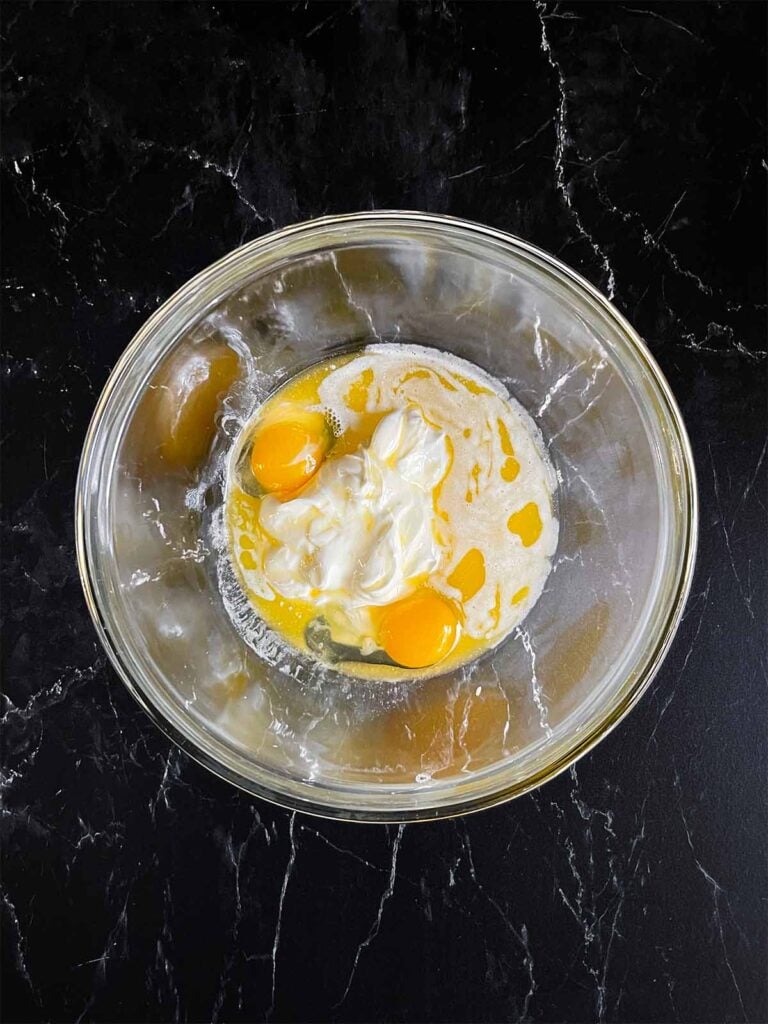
{"x":282,"y":725}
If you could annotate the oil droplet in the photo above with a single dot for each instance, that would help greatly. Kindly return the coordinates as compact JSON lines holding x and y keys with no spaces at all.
{"x":469,"y":575}
{"x":356,"y":398}
{"x":511,"y":466}
{"x":526,"y":523}
{"x":246,"y":541}
{"x":521,"y":595}
{"x":467,"y":432}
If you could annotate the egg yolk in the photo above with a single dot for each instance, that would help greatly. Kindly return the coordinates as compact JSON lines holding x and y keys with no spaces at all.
{"x":419,"y":630}
{"x":526,"y":523}
{"x":286,"y":453}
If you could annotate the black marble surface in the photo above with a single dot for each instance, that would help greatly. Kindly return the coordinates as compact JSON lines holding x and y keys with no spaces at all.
{"x":142,"y":142}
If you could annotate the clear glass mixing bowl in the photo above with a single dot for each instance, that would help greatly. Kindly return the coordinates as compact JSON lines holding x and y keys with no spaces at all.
{"x":311,"y":738}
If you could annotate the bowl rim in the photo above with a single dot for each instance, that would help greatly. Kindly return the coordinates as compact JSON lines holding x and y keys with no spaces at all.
{"x":598,"y":727}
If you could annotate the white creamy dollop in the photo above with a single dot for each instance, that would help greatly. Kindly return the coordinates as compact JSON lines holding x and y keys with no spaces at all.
{"x":365,"y":527}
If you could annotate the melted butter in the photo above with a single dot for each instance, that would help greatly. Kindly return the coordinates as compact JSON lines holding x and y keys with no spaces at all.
{"x":510,"y":469}
{"x":445,"y":382}
{"x":469,"y":575}
{"x":511,"y":466}
{"x":424,"y":373}
{"x":474,"y":482}
{"x":436,"y":500}
{"x":356,"y":398}
{"x":520,"y":595}
{"x":496,"y":610}
{"x":526,"y":523}
{"x":246,"y":558}
{"x":359,"y":434}
{"x":415,"y":375}
{"x":472,"y":386}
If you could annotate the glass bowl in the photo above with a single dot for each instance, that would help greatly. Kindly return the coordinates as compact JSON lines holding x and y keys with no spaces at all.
{"x":307,"y":737}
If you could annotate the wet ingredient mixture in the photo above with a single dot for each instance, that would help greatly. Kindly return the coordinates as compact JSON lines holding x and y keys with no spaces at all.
{"x":391,"y":511}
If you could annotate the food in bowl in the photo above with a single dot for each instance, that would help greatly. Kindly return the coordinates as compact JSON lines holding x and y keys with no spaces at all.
{"x":194,"y":411}
{"x":389,"y":510}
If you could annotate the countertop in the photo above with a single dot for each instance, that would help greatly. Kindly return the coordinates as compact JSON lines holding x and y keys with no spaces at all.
{"x":141,"y":143}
